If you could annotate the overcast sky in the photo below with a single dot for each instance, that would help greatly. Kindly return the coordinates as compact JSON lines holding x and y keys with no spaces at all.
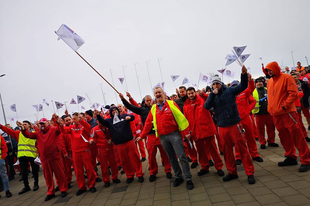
{"x":191,"y":37}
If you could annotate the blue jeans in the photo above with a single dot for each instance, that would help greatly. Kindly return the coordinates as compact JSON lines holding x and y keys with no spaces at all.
{"x":173,"y":145}
{"x":4,"y":177}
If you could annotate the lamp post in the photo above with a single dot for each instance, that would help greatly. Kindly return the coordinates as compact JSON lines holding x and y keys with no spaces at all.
{"x":2,"y":75}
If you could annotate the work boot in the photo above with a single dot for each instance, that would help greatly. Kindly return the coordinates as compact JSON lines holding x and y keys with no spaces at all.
{"x":168,"y":175}
{"x":93,"y":190}
{"x":116,"y":181}
{"x":35,"y":187}
{"x":79,"y":192}
{"x":229,"y":177}
{"x":152,"y":178}
{"x":202,"y":172}
{"x":177,"y":182}
{"x":251,"y":179}
{"x":8,"y":194}
{"x":141,"y":179}
{"x":63,"y":194}
{"x":194,"y":165}
{"x":263,"y":146}
{"x":189,"y":185}
{"x":49,"y":197}
{"x":107,"y":184}
{"x":220,"y":173}
{"x":304,"y":168}
{"x":129,"y":180}
{"x":273,"y":145}
{"x":287,"y":162}
{"x":258,"y":159}
{"x":24,"y":190}
{"x":238,"y":161}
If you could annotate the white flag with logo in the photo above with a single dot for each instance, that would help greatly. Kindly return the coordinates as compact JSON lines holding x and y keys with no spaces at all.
{"x":72,"y":101}
{"x":239,"y":50}
{"x":44,"y":101}
{"x":244,"y":57}
{"x":59,"y":105}
{"x":174,"y":77}
{"x":231,"y":56}
{"x":157,"y":85}
{"x":13,"y":107}
{"x":185,"y":80}
{"x":229,"y":73}
{"x":229,"y":61}
{"x":121,"y":79}
{"x":40,"y":108}
{"x":80,"y":99}
{"x":204,"y":78}
{"x":72,"y":39}
{"x":36,"y":107}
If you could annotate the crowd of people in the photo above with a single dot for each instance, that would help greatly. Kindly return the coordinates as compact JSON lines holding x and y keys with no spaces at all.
{"x":196,"y":126}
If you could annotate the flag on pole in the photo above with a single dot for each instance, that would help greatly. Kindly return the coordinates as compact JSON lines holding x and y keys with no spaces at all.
{"x":59,"y":105}
{"x":229,"y":73}
{"x":185,"y":80}
{"x":231,"y":56}
{"x":221,"y":70}
{"x":40,"y":108}
{"x":157,"y":85}
{"x":244,"y":57}
{"x":230,"y":61}
{"x":44,"y":101}
{"x":204,"y":78}
{"x":174,"y":77}
{"x":163,"y":85}
{"x":36,"y":107}
{"x":261,"y":58}
{"x":121,"y":79}
{"x":72,"y":101}
{"x":239,"y":50}
{"x":80,"y":99}
{"x":13,"y":107}
{"x":72,"y":39}
{"x":12,"y":119}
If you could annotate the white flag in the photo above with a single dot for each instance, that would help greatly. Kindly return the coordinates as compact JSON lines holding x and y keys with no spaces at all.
{"x":44,"y":101}
{"x":244,"y":57}
{"x":174,"y":77}
{"x":229,"y":73}
{"x":13,"y":107}
{"x":36,"y":107}
{"x":59,"y":105}
{"x":239,"y":50}
{"x":229,"y":61}
{"x":82,"y":107}
{"x":12,"y":119}
{"x":97,"y":105}
{"x":231,"y":56}
{"x":115,"y":119}
{"x":40,"y":108}
{"x":204,"y":78}
{"x":121,"y":79}
{"x":157,"y":85}
{"x":80,"y":99}
{"x":185,"y":81}
{"x":163,"y":85}
{"x":72,"y":39}
{"x":72,"y":101}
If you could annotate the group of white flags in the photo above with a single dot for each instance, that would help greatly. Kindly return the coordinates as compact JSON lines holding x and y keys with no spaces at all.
{"x":237,"y":56}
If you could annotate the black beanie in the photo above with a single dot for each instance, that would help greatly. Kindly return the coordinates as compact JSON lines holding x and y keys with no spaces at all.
{"x":89,"y":112}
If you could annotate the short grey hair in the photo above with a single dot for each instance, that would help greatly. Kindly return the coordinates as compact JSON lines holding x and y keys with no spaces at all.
{"x":158,"y":87}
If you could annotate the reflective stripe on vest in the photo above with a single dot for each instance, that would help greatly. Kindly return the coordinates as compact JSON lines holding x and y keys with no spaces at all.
{"x":26,"y":147}
{"x":177,"y":114}
{"x":256,"y":97}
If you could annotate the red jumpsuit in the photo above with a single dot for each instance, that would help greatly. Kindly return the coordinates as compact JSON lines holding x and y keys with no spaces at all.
{"x":67,"y":156}
{"x":202,"y":132}
{"x":298,"y":108}
{"x":50,"y":155}
{"x":105,"y":152}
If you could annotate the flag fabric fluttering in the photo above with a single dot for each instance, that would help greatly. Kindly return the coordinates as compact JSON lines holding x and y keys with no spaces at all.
{"x":72,"y":39}
{"x":229,"y":73}
{"x":59,"y":105}
{"x":12,"y":119}
{"x":121,"y":79}
{"x":221,"y":70}
{"x":230,"y":61}
{"x":45,"y":102}
{"x":157,"y":85}
{"x":244,"y":57}
{"x":13,"y":107}
{"x":185,"y":80}
{"x":239,"y":50}
{"x":80,"y":99}
{"x":204,"y":78}
{"x":174,"y":77}
{"x":95,"y":106}
{"x":82,"y":107}
{"x":40,"y":107}
{"x":72,"y":101}
{"x":36,"y":107}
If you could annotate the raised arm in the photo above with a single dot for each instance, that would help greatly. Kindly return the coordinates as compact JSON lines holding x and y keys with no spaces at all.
{"x":12,"y":133}
{"x":131,"y":107}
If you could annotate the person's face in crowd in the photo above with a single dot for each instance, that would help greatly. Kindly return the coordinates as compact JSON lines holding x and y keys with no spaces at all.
{"x":26,"y":125}
{"x":298,"y":64}
{"x":173,"y":97}
{"x":182,"y":92}
{"x":114,"y":111}
{"x":148,"y":101}
{"x":259,"y":84}
{"x":191,"y":94}
{"x":217,"y":86}
{"x":295,"y":77}
{"x":287,"y":69}
{"x":303,"y":72}
{"x":68,"y":121}
{"x":75,"y":119}
{"x":270,"y":72}
{"x":120,"y":107}
{"x":44,"y":125}
{"x":159,"y":95}
{"x":88,"y":117}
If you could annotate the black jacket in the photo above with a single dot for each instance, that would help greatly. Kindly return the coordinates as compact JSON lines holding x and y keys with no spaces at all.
{"x":180,"y":102}
{"x":224,"y":103}
{"x":306,"y":91}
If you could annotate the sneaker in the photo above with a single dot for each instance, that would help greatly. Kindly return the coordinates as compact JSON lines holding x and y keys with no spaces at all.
{"x":107,"y":184}
{"x":177,"y":182}
{"x":141,"y":179}
{"x":57,"y":189}
{"x":93,"y":190}
{"x":152,"y":178}
{"x":258,"y":159}
{"x":143,"y":159}
{"x":307,"y":139}
{"x":229,"y":177}
{"x":189,"y":159}
{"x":98,"y":179}
{"x":194,"y":165}
{"x":251,"y":179}
{"x":211,"y":163}
{"x":203,"y":172}
{"x":116,"y":181}
{"x":168,"y":175}
{"x":63,"y":194}
{"x":263,"y":146}
{"x":287,"y":162}
{"x":129,"y":180}
{"x":8,"y":194}
{"x":24,"y":190}
{"x":303,"y":168}
{"x":273,"y":145}
{"x":238,"y":162}
{"x":220,"y":173}
{"x":189,"y":185}
{"x":79,"y":192}
{"x":35,"y":187}
{"x":49,"y":197}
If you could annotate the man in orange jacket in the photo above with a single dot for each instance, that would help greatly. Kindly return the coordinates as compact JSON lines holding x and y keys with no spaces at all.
{"x":282,"y":95}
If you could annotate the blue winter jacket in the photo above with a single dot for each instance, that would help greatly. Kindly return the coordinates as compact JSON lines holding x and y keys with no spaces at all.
{"x":224,"y":103}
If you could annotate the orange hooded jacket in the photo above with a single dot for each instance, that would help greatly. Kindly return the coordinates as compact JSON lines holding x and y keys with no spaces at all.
{"x":282,"y":91}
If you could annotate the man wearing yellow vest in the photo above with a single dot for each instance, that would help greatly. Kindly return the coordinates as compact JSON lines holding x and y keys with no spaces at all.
{"x":26,"y":152}
{"x":3,"y":175}
{"x":168,"y":121}
{"x":262,"y":116}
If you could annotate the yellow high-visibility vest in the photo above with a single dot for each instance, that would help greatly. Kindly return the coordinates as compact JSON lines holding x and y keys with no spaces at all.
{"x":256,"y":97}
{"x":26,"y":147}
{"x":177,"y":114}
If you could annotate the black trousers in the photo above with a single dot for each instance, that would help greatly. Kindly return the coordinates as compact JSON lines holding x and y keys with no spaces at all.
{"x":24,"y":168}
{"x":10,"y":163}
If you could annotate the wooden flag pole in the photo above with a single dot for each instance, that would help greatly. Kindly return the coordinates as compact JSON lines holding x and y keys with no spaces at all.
{"x":98,"y":73}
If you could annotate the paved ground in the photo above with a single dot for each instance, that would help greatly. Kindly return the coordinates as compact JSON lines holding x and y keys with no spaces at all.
{"x":274,"y":186}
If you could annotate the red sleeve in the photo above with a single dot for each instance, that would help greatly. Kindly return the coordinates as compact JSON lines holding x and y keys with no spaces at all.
{"x":30,"y":135}
{"x":93,"y":135}
{"x":249,"y":91}
{"x":86,"y":126}
{"x":263,"y":68}
{"x":147,"y":125}
{"x":12,"y":133}
{"x":133,"y":102}
{"x":4,"y":148}
{"x":252,"y":102}
{"x":300,"y":94}
{"x":62,"y":144}
{"x":204,"y":96}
